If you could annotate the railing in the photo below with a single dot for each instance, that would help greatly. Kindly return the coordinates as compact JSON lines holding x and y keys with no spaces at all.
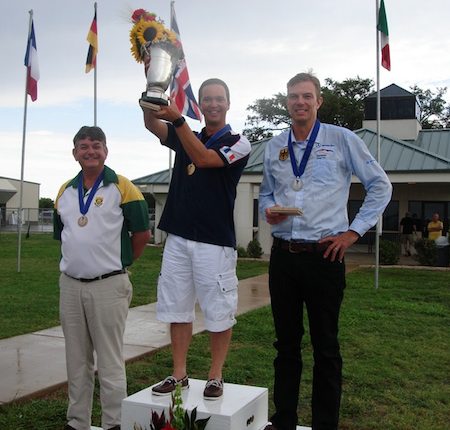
{"x":32,"y":219}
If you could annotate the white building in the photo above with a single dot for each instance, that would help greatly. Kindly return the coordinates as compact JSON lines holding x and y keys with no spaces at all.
{"x":10,"y":201}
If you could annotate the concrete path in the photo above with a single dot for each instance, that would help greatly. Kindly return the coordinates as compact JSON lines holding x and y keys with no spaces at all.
{"x":33,"y":364}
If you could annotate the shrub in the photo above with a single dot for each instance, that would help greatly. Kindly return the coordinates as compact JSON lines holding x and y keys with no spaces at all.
{"x":254,"y":249}
{"x":242,"y":252}
{"x":426,"y":252}
{"x":389,"y":252}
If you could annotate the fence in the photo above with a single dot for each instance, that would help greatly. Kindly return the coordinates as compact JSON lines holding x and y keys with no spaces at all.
{"x":36,"y":220}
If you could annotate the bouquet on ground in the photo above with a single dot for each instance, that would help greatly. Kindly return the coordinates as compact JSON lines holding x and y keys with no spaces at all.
{"x":178,"y":419}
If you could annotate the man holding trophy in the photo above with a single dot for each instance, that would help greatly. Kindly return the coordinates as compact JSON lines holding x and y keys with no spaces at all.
{"x":199,"y":261}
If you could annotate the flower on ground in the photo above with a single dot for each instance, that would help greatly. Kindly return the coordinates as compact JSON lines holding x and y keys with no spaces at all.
{"x":179,"y":419}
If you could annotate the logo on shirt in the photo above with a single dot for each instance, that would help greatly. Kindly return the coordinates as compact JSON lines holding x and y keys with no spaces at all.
{"x":98,"y":201}
{"x":284,"y":154}
{"x":226,"y":150}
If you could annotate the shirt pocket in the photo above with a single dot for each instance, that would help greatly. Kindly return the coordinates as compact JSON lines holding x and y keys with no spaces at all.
{"x":324,"y":178}
{"x":324,"y":171}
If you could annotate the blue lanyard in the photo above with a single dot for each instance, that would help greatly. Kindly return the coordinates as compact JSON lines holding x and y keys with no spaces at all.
{"x":216,"y":136}
{"x":300,"y":169}
{"x":84,"y":207}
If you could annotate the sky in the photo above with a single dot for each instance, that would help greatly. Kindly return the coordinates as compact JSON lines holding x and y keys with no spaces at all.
{"x":256,"y":46}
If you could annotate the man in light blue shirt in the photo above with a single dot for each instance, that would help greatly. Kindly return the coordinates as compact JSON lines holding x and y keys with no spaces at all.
{"x":308,"y":171}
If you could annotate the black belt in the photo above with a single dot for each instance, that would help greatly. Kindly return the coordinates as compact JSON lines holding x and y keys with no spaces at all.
{"x":297,"y":247}
{"x":99,"y":278}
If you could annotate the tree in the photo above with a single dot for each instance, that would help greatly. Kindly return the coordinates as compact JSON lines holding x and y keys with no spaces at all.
{"x":434,"y":111}
{"x":269,"y":115}
{"x":46,"y":203}
{"x":343,"y":104}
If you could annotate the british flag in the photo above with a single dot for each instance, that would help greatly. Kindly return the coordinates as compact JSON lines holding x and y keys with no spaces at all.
{"x":181,"y":90}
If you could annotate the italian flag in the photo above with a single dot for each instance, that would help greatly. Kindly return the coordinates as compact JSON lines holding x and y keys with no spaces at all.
{"x":382,"y":27}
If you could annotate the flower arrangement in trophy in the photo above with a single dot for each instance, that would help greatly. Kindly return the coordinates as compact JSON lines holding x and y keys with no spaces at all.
{"x":159,"y":49}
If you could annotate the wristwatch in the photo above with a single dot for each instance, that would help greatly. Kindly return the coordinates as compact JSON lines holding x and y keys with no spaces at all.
{"x":179,"y":122}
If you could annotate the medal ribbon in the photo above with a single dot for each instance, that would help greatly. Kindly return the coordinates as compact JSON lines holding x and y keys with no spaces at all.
{"x":216,"y":136}
{"x":300,"y":169}
{"x":84,"y":207}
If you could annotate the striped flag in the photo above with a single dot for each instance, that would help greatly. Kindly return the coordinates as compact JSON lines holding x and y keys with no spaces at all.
{"x":91,"y":59}
{"x":181,"y":90}
{"x":31,"y":62}
{"x":384,"y":32}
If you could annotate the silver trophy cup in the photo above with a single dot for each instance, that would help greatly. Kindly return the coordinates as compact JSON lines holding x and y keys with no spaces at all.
{"x":160,"y":60}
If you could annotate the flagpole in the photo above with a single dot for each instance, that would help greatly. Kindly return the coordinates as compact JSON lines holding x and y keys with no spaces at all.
{"x":172,"y":5}
{"x":24,"y":129}
{"x":95,"y":74}
{"x":378,"y":228}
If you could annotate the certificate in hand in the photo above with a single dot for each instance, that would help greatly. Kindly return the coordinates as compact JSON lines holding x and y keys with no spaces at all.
{"x":286,"y":211}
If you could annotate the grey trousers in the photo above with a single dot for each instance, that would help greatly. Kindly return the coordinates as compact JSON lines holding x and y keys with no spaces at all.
{"x":93,"y":317}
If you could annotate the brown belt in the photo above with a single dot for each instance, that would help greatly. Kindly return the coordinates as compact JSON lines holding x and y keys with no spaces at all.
{"x":297,"y":247}
{"x":99,"y":278}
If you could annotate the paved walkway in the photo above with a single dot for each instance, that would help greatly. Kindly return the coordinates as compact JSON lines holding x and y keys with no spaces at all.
{"x":33,"y":364}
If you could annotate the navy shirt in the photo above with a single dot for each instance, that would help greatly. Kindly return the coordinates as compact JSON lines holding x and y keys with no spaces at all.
{"x":200,"y":206}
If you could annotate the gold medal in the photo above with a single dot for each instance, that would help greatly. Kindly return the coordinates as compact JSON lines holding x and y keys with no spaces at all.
{"x":82,"y":221}
{"x":190,"y":169}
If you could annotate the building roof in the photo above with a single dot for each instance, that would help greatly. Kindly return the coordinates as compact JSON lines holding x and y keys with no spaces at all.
{"x":391,"y":91}
{"x":436,"y":141}
{"x":401,"y":156}
{"x":161,"y":177}
{"x":429,"y":153}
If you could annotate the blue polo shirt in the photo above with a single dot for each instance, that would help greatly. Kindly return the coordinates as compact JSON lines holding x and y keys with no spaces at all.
{"x":200,"y":206}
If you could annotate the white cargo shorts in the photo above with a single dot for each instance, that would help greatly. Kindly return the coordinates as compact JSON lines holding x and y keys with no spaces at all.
{"x":197,"y":272}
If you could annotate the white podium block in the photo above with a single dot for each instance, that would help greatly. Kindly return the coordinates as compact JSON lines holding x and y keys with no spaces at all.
{"x":241,"y":407}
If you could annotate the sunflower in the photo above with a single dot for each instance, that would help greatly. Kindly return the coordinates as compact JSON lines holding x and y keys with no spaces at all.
{"x":171,"y":36}
{"x":144,"y":32}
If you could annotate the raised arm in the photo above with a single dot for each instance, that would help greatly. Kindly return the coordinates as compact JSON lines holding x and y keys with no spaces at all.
{"x":155,"y":125}
{"x":198,"y":153}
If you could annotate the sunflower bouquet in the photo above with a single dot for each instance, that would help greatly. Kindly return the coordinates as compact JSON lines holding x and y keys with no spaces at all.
{"x":147,"y":30}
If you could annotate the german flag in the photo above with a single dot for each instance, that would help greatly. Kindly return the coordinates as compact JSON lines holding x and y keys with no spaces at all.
{"x":93,"y":45}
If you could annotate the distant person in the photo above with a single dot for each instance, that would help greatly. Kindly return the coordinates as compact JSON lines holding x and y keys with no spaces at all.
{"x":435,"y":227}
{"x":101,"y":219}
{"x":199,"y":261}
{"x":408,"y":227}
{"x":418,"y":226}
{"x":310,"y":167}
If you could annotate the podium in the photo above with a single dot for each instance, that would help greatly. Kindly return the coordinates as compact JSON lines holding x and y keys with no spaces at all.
{"x":241,"y":407}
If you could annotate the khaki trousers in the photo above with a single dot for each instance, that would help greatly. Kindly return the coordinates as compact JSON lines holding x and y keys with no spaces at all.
{"x":93,"y":316}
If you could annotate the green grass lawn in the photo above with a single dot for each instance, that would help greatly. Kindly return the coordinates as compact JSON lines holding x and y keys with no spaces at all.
{"x":30,"y":299}
{"x":395,"y":344}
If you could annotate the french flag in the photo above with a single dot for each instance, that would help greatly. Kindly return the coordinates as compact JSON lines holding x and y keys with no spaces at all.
{"x":181,"y":90}
{"x":31,"y":62}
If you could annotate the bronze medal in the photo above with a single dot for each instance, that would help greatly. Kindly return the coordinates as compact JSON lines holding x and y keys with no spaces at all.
{"x":82,"y":221}
{"x":190,"y":169}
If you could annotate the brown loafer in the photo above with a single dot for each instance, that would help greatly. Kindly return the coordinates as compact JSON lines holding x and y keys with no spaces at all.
{"x":168,"y":385}
{"x":213,"y":389}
